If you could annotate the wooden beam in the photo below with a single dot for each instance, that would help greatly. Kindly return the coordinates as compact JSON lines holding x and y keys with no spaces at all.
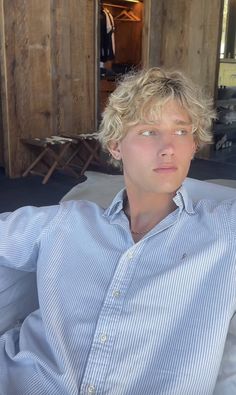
{"x":4,"y":93}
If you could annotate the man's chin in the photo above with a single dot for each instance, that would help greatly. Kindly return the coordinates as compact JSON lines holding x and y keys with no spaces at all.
{"x":170,"y":188}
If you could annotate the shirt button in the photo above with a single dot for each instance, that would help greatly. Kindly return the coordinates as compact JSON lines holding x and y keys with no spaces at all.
{"x":130,"y":255}
{"x":103,"y":338}
{"x":116,"y":293}
{"x":91,"y":389}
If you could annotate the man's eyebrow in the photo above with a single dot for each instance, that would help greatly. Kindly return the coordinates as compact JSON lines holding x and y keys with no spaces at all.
{"x":181,"y":122}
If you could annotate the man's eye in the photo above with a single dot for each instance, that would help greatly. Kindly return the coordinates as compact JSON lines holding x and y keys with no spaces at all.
{"x":148,"y":133}
{"x":181,"y":132}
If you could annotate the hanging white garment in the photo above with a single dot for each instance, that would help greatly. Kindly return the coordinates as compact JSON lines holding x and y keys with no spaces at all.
{"x":110,"y":27}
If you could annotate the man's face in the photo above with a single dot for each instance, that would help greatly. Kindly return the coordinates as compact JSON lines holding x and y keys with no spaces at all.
{"x":156,"y":157}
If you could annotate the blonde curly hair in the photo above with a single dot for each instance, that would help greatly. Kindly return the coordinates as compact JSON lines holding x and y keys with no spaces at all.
{"x":139,"y":97}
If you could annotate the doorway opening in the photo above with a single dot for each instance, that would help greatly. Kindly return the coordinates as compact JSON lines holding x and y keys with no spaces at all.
{"x":120,"y":43}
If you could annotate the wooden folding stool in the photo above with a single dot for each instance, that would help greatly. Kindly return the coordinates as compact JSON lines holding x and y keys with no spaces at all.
{"x":55,"y":149}
{"x":87,"y":142}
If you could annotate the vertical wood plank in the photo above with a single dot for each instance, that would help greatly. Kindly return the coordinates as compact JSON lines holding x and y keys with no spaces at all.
{"x":188,"y":34}
{"x":84,"y":65}
{"x":1,"y":115}
{"x":1,"y":136}
{"x":152,"y":33}
{"x":26,"y":91}
{"x":4,"y":91}
{"x":74,"y":62}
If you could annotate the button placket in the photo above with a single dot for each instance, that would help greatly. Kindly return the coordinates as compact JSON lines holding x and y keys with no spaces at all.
{"x":91,"y":389}
{"x":103,"y":337}
{"x":108,"y":319}
{"x":116,"y":293}
{"x":130,"y":255}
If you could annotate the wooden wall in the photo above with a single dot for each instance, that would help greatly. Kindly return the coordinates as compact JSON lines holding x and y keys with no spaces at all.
{"x":48,"y":63}
{"x":48,"y":57}
{"x":1,"y":134}
{"x":184,"y":35}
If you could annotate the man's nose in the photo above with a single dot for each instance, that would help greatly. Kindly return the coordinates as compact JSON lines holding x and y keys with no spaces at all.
{"x":166,"y":146}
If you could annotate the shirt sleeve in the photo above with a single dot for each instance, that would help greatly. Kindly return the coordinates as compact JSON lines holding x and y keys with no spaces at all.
{"x":232,"y":217}
{"x":20,"y":233}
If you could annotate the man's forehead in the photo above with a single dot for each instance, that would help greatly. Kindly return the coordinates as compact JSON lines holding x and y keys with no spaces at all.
{"x":158,"y":120}
{"x":154,"y":110}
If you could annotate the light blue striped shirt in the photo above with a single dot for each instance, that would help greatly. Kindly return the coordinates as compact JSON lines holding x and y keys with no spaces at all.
{"x":118,"y":317}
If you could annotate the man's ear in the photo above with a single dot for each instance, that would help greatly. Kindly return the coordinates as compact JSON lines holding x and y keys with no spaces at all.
{"x":114,"y":149}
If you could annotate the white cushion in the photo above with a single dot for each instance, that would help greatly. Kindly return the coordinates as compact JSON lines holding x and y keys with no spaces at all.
{"x":101,"y":188}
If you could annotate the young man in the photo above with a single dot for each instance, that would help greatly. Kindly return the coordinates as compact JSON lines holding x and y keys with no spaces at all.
{"x":136,"y":298}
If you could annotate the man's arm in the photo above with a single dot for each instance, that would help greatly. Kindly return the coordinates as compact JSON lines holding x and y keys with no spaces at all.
{"x":20,"y":233}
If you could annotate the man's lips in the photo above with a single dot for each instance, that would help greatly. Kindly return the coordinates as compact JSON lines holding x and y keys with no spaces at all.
{"x":165,"y":169}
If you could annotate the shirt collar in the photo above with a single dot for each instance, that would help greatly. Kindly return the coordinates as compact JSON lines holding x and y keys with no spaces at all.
{"x":181,"y":199}
{"x":116,"y":205}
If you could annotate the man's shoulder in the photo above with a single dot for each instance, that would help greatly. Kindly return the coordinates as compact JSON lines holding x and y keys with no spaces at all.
{"x":214,"y":204}
{"x":219,"y":216}
{"x":75,"y":204}
{"x":81,"y":208}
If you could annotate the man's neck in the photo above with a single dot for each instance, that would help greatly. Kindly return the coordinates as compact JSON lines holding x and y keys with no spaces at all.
{"x":145,"y":212}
